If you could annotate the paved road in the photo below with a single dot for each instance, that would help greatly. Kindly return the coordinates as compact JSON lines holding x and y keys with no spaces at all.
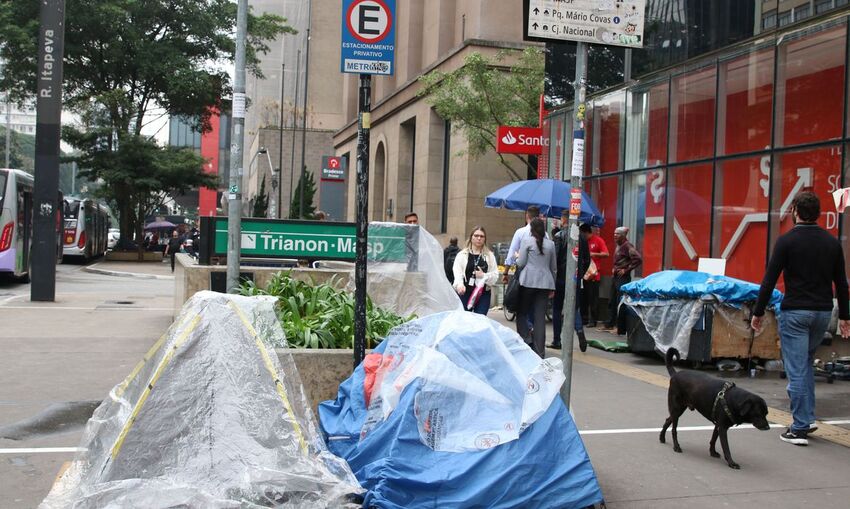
{"x":73,"y":350}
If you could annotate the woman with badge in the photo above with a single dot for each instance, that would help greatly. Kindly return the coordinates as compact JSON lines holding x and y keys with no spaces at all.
{"x":475,"y":271}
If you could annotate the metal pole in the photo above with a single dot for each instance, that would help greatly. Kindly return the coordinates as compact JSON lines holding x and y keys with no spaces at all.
{"x":280,"y":145}
{"x":567,"y":327}
{"x":304,"y":120}
{"x":234,"y":208}
{"x":294,"y":123}
{"x":51,"y":49}
{"x":364,"y":123}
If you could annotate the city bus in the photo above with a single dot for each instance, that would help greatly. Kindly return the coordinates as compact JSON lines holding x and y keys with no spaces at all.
{"x":16,"y":198}
{"x":86,"y":228}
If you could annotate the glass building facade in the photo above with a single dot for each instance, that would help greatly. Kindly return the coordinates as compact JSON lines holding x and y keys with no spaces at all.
{"x":713,"y":128}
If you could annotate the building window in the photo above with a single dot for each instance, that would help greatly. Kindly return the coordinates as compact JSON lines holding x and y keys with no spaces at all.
{"x":609,"y":112}
{"x":822,"y":6}
{"x":741,"y":191}
{"x":768,"y":20}
{"x":688,"y":220}
{"x":692,"y":115}
{"x":802,"y":12}
{"x":746,"y":102}
{"x":643,"y":213}
{"x":646,"y":129}
{"x":785,"y":18}
{"x":810,"y":86}
{"x":605,"y":194}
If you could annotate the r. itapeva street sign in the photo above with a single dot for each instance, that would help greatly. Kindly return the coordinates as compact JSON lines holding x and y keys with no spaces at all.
{"x":594,"y":21}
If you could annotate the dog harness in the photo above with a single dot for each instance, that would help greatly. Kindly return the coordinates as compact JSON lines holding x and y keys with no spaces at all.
{"x":721,"y":398}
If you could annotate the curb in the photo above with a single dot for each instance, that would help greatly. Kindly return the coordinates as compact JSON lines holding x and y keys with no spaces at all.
{"x":93,"y":269}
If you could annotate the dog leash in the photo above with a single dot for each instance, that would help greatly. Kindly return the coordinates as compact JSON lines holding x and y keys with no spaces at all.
{"x":721,"y":398}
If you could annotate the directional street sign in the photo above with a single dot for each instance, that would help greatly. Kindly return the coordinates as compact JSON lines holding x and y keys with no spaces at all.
{"x":368,"y":36}
{"x":616,"y":23}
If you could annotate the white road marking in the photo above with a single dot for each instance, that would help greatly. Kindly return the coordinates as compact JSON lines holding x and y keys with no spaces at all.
{"x":685,"y":428}
{"x":33,"y":450}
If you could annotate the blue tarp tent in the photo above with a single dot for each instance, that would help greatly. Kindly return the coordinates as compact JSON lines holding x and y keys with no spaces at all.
{"x":454,"y":410}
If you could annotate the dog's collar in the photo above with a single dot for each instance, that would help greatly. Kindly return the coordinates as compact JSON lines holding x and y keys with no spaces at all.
{"x":721,"y":398}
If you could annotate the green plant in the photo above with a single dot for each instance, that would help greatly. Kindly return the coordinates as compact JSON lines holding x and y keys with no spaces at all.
{"x":322,"y":316}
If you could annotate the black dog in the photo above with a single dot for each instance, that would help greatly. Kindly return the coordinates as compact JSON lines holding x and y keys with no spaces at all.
{"x":720,"y":402}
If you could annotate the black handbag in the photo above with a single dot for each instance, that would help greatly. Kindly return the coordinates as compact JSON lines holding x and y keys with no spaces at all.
{"x":511,"y":300}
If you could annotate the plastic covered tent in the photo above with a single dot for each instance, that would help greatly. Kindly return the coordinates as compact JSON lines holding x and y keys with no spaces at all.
{"x":209,"y":418}
{"x":671,"y":302}
{"x":417,"y":285}
{"x":454,"y":410}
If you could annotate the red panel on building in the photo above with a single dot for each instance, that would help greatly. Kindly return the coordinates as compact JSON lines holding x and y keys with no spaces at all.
{"x":207,"y":198}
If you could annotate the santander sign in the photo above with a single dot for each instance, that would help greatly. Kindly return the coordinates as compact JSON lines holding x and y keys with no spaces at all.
{"x":520,"y":140}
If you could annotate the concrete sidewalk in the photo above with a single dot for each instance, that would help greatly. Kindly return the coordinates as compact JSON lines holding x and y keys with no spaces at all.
{"x":141,"y":270}
{"x":619,"y":407}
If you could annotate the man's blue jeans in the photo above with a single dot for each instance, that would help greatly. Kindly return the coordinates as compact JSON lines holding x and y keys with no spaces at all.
{"x":801,"y":332}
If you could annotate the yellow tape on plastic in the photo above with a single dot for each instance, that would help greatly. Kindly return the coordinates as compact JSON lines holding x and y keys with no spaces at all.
{"x":159,"y":370}
{"x":267,"y":361}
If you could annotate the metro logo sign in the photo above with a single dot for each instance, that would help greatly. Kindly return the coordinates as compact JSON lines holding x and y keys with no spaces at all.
{"x":520,"y":140}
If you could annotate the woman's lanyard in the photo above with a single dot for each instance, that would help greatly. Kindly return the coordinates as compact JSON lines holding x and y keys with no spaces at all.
{"x":474,"y":267}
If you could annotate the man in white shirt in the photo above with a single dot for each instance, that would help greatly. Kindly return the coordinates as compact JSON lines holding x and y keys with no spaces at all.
{"x":521,"y":233}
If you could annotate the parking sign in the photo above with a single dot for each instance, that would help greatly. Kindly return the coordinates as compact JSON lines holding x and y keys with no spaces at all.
{"x":368,"y":36}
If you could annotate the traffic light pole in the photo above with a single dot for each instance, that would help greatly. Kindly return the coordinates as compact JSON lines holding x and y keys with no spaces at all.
{"x":234,"y":193}
{"x":364,"y":123}
{"x":567,"y":325}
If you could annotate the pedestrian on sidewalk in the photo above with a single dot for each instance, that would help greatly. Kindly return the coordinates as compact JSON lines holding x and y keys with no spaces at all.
{"x":475,"y":264}
{"x":537,"y":284}
{"x":520,"y":234}
{"x":590,"y":295}
{"x":173,"y":247}
{"x":582,"y":255}
{"x":626,"y":259}
{"x":449,"y":256}
{"x":812,"y":261}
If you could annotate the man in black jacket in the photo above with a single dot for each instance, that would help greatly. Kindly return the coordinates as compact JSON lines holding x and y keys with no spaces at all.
{"x":812,"y":261}
{"x":583,"y":262}
{"x":449,"y":255}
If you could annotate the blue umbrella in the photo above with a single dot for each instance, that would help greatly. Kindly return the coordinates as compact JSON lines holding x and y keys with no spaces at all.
{"x":552,"y":196}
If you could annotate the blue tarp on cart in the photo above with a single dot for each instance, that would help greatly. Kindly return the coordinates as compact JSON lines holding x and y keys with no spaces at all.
{"x":684,"y":284}
{"x":454,"y":410}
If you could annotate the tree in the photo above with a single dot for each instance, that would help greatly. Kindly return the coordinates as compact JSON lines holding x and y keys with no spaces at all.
{"x":125,"y":61}
{"x":261,"y":201}
{"x":21,"y":150}
{"x":309,"y":193}
{"x":486,"y":93}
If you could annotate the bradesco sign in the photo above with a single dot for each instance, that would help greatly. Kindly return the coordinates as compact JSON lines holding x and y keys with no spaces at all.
{"x":520,"y":140}
{"x":368,"y":36}
{"x":263,"y":238}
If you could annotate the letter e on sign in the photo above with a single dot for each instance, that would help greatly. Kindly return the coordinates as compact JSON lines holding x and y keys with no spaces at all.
{"x":369,"y":21}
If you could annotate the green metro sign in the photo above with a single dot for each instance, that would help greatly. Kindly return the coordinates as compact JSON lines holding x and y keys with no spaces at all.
{"x":270,"y":238}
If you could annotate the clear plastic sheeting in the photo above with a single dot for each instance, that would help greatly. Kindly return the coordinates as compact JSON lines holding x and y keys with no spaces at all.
{"x":669,"y":322}
{"x":416,"y":285}
{"x":455,"y":411}
{"x":479,"y":383}
{"x":208,"y":419}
